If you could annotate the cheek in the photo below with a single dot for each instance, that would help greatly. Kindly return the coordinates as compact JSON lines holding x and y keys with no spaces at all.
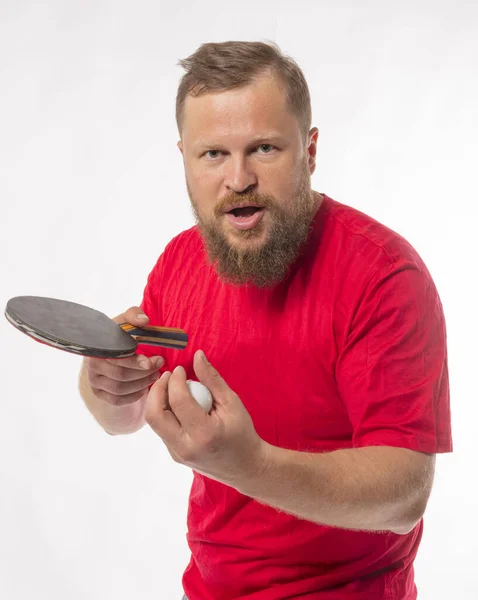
{"x":202,"y":192}
{"x":282,"y":182}
{"x":203,"y":180}
{"x":284,"y":172}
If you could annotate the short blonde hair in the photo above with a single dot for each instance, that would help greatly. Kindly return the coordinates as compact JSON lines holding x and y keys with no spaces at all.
{"x":228,"y":65}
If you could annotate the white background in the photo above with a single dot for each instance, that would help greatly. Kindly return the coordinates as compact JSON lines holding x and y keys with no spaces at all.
{"x":91,"y":190}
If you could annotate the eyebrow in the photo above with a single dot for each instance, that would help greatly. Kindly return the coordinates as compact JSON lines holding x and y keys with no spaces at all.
{"x":259,"y":139}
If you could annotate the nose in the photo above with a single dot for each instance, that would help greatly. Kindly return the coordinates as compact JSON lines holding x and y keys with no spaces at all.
{"x":239,"y":177}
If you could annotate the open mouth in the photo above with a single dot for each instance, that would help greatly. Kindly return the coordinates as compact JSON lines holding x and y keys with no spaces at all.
{"x":246,"y":217}
{"x":245,"y":211}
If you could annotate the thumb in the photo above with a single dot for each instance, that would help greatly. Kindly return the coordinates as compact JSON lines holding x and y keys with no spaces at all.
{"x":210,"y":377}
{"x":133,"y":315}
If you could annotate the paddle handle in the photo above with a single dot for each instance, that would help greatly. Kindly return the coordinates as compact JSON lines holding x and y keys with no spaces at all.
{"x":152,"y":335}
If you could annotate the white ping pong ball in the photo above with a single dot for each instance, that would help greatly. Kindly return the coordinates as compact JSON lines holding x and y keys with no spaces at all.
{"x":201,"y":394}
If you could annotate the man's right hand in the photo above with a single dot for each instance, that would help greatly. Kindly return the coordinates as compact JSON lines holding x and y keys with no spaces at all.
{"x":123,"y":381}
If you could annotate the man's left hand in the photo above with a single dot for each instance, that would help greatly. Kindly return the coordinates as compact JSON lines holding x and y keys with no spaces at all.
{"x":223,"y":444}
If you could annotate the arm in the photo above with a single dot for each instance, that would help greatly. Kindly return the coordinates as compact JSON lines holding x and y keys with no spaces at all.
{"x":375,"y":488}
{"x":119,"y":403}
{"x":116,"y":391}
{"x":392,"y":377}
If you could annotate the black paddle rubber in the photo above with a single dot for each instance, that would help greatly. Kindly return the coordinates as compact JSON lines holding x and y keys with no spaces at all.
{"x":69,"y":326}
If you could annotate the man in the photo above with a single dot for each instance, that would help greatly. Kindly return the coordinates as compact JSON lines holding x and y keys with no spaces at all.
{"x":326,"y":356}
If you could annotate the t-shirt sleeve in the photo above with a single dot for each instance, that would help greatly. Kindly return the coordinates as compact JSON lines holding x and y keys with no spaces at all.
{"x":392,"y":372}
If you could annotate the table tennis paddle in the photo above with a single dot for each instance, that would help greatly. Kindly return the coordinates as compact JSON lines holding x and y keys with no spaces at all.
{"x":82,"y":330}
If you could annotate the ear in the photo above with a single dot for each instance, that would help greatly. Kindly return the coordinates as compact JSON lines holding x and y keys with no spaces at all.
{"x":312,"y":148}
{"x":180,"y":146}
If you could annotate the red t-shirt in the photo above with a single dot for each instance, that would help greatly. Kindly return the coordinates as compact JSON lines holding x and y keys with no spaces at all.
{"x":348,"y":351}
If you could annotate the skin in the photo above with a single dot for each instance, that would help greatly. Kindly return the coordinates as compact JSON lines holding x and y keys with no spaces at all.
{"x":225,"y":162}
{"x":244,"y":145}
{"x":369,"y":489}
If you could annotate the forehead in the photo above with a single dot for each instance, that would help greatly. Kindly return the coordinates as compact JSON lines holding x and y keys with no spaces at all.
{"x":257,"y":108}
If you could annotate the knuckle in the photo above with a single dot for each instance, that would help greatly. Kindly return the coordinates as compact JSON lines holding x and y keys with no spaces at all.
{"x":115,"y":387}
{"x":93,"y":378}
{"x":105,"y":397}
{"x":106,"y":384}
{"x":93,"y":367}
{"x":118,"y":372}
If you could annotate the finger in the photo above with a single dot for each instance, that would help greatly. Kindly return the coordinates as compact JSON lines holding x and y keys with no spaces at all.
{"x":123,"y":388}
{"x":120,"y":373}
{"x":138,"y":362}
{"x":134,"y":315}
{"x":210,"y":377}
{"x":189,"y":413}
{"x":158,"y":414}
{"x":112,"y":400}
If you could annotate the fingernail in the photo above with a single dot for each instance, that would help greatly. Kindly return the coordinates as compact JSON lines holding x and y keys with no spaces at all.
{"x":178,"y":369}
{"x":159,"y":362}
{"x":142,"y":316}
{"x":203,"y":356}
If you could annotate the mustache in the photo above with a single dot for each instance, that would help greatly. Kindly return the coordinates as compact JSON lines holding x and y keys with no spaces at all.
{"x":233,"y":199}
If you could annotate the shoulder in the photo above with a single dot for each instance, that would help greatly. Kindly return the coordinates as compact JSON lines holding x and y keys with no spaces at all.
{"x":185,"y":244}
{"x":180,"y":263}
{"x":372,"y":268}
{"x":185,"y":247}
{"x":365,"y":244}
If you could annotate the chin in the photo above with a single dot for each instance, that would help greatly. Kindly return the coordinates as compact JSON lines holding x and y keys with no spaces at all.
{"x":246,"y":243}
{"x":256,"y":235}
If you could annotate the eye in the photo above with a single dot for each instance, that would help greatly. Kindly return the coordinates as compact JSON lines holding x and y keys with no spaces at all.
{"x":215,"y":153}
{"x":266,"y":148}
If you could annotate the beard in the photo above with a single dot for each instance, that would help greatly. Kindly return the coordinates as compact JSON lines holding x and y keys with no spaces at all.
{"x":268,"y":263}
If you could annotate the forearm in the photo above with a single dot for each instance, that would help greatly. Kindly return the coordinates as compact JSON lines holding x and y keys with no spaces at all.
{"x":115,"y":420}
{"x":370,"y":489}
